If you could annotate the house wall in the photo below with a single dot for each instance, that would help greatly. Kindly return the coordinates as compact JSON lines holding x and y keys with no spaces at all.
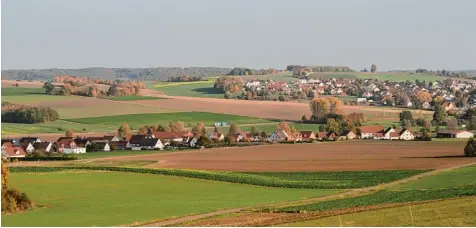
{"x":76,"y":150}
{"x":107,"y":147}
{"x":407,"y":136}
{"x":464,"y":135}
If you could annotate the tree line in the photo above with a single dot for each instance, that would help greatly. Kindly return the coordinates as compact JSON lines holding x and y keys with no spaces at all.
{"x":15,"y":113}
{"x":186,"y":78}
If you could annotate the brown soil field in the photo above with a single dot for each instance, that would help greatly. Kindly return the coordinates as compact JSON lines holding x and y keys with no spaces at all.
{"x":262,"y":109}
{"x":25,"y":84}
{"x":332,"y":156}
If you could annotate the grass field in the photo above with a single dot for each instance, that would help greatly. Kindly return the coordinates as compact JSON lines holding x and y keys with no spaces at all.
{"x":203,"y":89}
{"x":457,"y":178}
{"x":58,"y":126}
{"x":14,"y":91}
{"x":310,"y":180}
{"x":137,"y":120}
{"x":382,"y":76}
{"x":130,"y":98}
{"x":72,"y":198}
{"x":448,"y":213}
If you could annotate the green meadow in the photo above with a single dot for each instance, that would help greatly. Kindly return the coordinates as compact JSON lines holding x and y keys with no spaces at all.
{"x":116,"y":198}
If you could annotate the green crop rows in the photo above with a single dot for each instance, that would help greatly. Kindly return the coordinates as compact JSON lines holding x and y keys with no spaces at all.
{"x":386,"y":197}
{"x":314,"y":180}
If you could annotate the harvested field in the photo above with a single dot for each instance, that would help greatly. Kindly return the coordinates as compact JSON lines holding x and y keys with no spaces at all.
{"x":339,"y":156}
{"x":263,"y":109}
{"x":25,"y":84}
{"x":78,"y":107}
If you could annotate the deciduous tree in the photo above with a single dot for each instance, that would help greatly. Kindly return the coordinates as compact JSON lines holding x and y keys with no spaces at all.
{"x":124,"y":130}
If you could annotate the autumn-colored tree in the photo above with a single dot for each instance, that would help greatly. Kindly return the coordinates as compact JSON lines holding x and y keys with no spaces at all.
{"x":234,"y":129}
{"x":69,"y":133}
{"x":424,"y":96}
{"x":356,"y":118}
{"x":13,"y":200}
{"x":124,"y":130}
{"x":143,"y":130}
{"x":177,"y":126}
{"x":438,"y":100}
{"x":293,"y":130}
{"x":199,"y":129}
{"x":335,"y":105}
{"x":320,"y":107}
{"x":283,"y":126}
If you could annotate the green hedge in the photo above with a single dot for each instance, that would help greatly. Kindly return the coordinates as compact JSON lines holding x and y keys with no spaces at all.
{"x":62,"y":158}
{"x":310,"y":180}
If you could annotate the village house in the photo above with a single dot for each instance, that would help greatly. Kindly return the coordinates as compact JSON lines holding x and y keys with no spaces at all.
{"x":308,"y":136}
{"x":347,"y":135}
{"x":216,"y":136}
{"x":44,"y":146}
{"x":454,"y":134}
{"x":372,"y":132}
{"x":279,"y":136}
{"x":177,"y":137}
{"x":63,"y":143}
{"x":27,"y":147}
{"x":324,"y":135}
{"x":99,"y":146}
{"x":399,"y":134}
{"x":10,"y":150}
{"x":75,"y":150}
{"x":142,"y":142}
{"x":111,"y":138}
{"x":118,"y":145}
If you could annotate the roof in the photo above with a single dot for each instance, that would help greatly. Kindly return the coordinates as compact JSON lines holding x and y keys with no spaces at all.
{"x":121,"y":143}
{"x":306,"y":134}
{"x":170,"y":135}
{"x":322,"y":134}
{"x":28,"y":139}
{"x":109,"y":137}
{"x":147,"y":142}
{"x":14,"y":151}
{"x":136,"y":139}
{"x":372,"y":129}
{"x":95,"y":138}
{"x":66,"y":142}
{"x":41,"y":145}
{"x":102,"y":144}
{"x":24,"y":145}
{"x":345,"y":132}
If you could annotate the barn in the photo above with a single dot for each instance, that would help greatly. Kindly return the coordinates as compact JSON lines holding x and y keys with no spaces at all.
{"x":454,"y":134}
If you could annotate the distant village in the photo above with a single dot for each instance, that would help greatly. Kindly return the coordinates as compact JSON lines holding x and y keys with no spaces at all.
{"x":452,"y":94}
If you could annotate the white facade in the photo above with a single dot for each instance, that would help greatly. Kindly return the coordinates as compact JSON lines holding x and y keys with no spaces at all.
{"x":76,"y":150}
{"x":407,"y":135}
{"x":29,"y":148}
{"x":216,"y":136}
{"x":464,"y":135}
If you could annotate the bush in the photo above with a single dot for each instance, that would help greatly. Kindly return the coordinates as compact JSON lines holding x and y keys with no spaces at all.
{"x":420,"y":122}
{"x":281,"y":98}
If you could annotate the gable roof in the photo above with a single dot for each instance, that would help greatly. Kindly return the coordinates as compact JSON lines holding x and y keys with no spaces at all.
{"x":170,"y":135}
{"x":306,"y":134}
{"x":121,"y":143}
{"x":14,"y":151}
{"x":136,"y":139}
{"x":372,"y":129}
{"x":41,"y":145}
{"x":109,"y":137}
{"x":28,"y":139}
{"x":148,"y":141}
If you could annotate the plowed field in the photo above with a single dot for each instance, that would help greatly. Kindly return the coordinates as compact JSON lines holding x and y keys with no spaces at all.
{"x":332,"y":156}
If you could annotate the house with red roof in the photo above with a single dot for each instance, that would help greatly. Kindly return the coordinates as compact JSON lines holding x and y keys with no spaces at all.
{"x":12,"y":151}
{"x":372,"y":132}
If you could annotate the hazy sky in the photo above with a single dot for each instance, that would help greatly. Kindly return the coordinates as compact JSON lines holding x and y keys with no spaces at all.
{"x":399,"y":34}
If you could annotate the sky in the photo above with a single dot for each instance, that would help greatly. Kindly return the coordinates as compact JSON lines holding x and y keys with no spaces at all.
{"x":393,"y":34}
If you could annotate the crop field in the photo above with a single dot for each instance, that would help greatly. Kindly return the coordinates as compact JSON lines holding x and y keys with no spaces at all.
{"x":265,"y":109}
{"x":328,"y":156}
{"x":449,"y":213}
{"x":137,"y":120}
{"x":311,"y":180}
{"x":381,"y":76}
{"x":78,"y":107}
{"x":202,"y":89}
{"x":433,"y":190}
{"x":71,"y":198}
{"x":59,"y":126}
{"x":130,"y":98}
{"x":22,"y":84}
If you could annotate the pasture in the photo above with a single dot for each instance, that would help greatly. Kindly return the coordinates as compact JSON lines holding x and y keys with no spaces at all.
{"x":21,"y":91}
{"x":130,"y":98}
{"x":71,"y":198}
{"x":449,"y":213}
{"x":137,"y":120}
{"x":328,"y":156}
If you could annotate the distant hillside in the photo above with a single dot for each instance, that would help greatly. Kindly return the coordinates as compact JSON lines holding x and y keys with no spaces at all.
{"x":158,"y":73}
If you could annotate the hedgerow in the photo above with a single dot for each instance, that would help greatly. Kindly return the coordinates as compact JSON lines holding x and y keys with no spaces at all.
{"x":385,"y":197}
{"x":313,"y":180}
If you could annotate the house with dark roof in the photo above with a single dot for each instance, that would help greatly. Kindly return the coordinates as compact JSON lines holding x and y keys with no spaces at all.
{"x":27,"y":147}
{"x":143,"y":142}
{"x":326,"y":135}
{"x":44,"y":146}
{"x":30,"y":140}
{"x":168,"y":137}
{"x":347,"y":135}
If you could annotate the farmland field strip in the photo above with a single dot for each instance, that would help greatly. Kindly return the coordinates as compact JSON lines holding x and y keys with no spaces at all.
{"x":315,"y":180}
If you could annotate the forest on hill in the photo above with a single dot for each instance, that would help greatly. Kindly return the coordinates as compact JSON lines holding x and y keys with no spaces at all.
{"x":157,"y":73}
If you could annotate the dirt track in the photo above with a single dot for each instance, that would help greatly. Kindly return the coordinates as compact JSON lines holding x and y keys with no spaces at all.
{"x":341,"y":156}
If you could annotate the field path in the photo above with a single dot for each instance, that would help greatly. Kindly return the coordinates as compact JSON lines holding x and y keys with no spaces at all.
{"x":355,"y":192}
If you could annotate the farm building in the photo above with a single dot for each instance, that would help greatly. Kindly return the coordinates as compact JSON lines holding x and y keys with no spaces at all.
{"x":30,"y":139}
{"x":347,"y":135}
{"x":142,"y":142}
{"x":454,"y":134}
{"x":74,"y":150}
{"x":216,"y":136}
{"x":308,"y":135}
{"x":27,"y":147}
{"x":372,"y":132}
{"x":280,"y":135}
{"x":398,"y":134}
{"x":324,"y":135}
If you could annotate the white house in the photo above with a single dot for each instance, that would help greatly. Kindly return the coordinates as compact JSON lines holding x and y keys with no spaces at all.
{"x":74,"y":150}
{"x":28,"y":147}
{"x":216,"y":136}
{"x":454,"y":134}
{"x":193,"y":142}
{"x":399,"y":134}
{"x":46,"y":146}
{"x":140,"y":142}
